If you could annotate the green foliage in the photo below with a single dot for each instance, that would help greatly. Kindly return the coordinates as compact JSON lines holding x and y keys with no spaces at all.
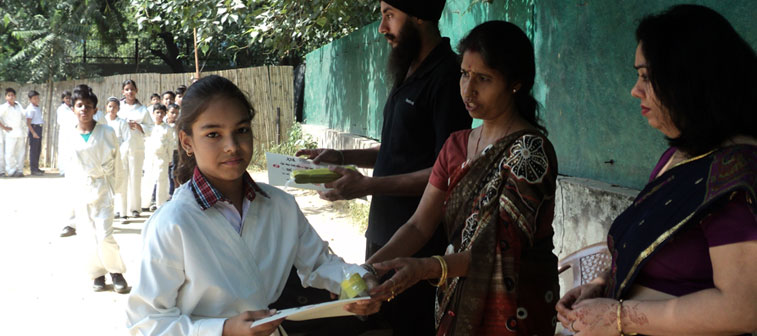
{"x":295,"y":141}
{"x":42,"y":36}
{"x":261,"y":31}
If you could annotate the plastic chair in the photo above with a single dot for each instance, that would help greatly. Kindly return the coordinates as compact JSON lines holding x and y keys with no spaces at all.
{"x":587,"y":263}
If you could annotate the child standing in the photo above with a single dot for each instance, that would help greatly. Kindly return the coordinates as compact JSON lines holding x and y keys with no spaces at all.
{"x":13,"y":123}
{"x":180,"y":94}
{"x":34,"y":123}
{"x":121,"y":127}
{"x":217,"y":255}
{"x":171,"y":117}
{"x":66,"y":125}
{"x":140,"y":126}
{"x":157,"y":155}
{"x":94,"y":150}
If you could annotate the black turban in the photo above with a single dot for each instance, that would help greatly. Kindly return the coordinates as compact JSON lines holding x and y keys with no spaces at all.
{"x":429,"y":10}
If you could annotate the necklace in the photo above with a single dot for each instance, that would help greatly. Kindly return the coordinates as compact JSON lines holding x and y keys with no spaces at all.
{"x":481,"y":131}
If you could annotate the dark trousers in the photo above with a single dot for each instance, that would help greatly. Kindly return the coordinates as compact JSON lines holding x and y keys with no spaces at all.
{"x":412,"y":311}
{"x":35,"y":148}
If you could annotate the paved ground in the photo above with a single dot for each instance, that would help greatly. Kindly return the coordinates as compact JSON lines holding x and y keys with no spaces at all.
{"x":43,"y":286}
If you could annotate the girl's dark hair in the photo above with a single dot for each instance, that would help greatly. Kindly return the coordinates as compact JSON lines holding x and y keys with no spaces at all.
{"x":194,"y":103}
{"x":173,"y":106}
{"x":115,"y":100}
{"x":506,"y":48}
{"x":84,"y":92}
{"x":129,"y":82}
{"x":703,"y":73}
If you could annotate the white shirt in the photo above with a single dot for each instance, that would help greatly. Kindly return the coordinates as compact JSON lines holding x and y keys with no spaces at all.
{"x":137,"y":112}
{"x":197,"y":271}
{"x":35,"y":114}
{"x":15,"y":118}
{"x":65,"y":117}
{"x":158,"y":144}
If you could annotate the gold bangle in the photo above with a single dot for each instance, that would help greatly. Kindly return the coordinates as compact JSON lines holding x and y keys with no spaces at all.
{"x":443,"y":278}
{"x":620,"y":324}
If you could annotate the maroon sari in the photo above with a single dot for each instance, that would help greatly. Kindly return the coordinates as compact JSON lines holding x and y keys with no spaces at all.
{"x":500,"y":208}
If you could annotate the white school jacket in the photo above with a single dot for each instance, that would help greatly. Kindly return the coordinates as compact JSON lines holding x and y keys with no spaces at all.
{"x":158,"y":144}
{"x":15,"y":118}
{"x":123,"y":134}
{"x":137,"y":112}
{"x":197,"y":271}
{"x":92,"y":165}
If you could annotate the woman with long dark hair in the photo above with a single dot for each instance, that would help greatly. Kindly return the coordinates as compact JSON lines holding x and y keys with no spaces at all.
{"x":683,"y":252}
{"x":492,"y":188}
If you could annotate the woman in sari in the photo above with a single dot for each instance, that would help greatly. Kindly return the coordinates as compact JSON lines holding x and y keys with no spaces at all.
{"x":492,"y":188}
{"x":684,"y":251}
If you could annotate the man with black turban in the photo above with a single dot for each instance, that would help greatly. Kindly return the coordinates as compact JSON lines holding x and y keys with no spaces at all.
{"x":422,"y":109}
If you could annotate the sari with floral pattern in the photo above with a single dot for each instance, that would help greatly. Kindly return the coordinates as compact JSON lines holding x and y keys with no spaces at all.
{"x":500,"y":208}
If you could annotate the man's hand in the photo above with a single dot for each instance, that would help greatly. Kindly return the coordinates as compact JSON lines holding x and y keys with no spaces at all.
{"x":366,"y":307}
{"x":320,"y":155}
{"x":34,"y":134}
{"x":351,"y":185}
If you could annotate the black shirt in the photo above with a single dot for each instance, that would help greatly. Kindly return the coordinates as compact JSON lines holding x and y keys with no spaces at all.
{"x":419,"y":115}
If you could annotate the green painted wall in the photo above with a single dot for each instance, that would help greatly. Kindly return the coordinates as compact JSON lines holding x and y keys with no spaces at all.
{"x":584,"y":57}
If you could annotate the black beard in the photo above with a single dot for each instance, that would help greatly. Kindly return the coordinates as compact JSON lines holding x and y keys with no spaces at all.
{"x":407,"y":50}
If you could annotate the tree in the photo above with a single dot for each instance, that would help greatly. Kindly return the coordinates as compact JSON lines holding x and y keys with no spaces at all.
{"x":255,"y":31}
{"x":42,"y":36}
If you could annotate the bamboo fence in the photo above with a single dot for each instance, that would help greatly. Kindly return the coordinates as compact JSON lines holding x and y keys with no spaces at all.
{"x":269,"y":89}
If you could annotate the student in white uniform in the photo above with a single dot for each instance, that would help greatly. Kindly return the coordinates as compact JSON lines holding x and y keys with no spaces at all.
{"x":34,"y":123}
{"x":171,"y":117}
{"x":140,"y":126}
{"x":157,"y":155}
{"x":121,"y":127}
{"x":219,"y":253}
{"x":13,"y":123}
{"x":94,"y":149}
{"x":66,"y":125}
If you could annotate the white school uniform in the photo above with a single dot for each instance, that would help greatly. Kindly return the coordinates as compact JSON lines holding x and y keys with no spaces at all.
{"x":15,"y":139}
{"x":93,"y":167}
{"x":197,"y":270}
{"x":157,"y":156}
{"x":121,"y":127}
{"x":136,"y":152}
{"x":67,"y":123}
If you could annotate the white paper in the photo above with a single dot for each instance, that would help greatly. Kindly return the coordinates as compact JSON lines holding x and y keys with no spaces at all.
{"x":280,"y":168}
{"x":311,"y":312}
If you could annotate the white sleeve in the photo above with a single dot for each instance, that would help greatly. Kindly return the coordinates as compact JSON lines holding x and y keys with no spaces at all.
{"x":316,"y":265}
{"x":151,"y":307}
{"x":29,"y":112}
{"x":147,"y":123}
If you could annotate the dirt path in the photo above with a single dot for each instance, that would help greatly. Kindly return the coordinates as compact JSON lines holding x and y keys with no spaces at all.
{"x":43,"y":285}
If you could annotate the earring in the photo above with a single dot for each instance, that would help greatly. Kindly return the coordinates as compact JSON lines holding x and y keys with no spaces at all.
{"x":189,"y":154}
{"x":515,"y":90}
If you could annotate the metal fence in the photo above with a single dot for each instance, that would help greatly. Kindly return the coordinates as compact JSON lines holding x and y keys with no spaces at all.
{"x":269,"y":88}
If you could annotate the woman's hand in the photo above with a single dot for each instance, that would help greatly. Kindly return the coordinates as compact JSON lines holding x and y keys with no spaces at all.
{"x":408,"y":271}
{"x":575,"y":296}
{"x":240,"y":324}
{"x":594,"y":317}
{"x":365,"y":307}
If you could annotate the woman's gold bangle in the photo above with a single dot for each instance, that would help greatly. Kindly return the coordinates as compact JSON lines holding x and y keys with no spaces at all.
{"x":620,"y":323}
{"x":443,"y":278}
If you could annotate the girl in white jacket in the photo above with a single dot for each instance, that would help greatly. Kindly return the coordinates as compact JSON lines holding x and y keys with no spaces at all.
{"x":219,"y":253}
{"x":140,"y":126}
{"x":94,"y":157}
{"x":121,"y":127}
